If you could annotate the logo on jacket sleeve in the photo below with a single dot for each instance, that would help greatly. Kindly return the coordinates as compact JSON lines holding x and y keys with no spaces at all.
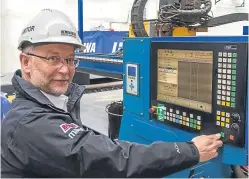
{"x":75,"y":129}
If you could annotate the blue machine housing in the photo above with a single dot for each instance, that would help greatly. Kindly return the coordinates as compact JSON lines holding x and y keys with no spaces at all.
{"x":136,"y":124}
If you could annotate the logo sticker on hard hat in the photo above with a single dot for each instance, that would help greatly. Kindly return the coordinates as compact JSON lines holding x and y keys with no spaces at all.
{"x":68,"y":33}
{"x":28,"y":29}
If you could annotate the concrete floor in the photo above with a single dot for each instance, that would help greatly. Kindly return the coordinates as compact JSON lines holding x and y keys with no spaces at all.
{"x":93,"y":105}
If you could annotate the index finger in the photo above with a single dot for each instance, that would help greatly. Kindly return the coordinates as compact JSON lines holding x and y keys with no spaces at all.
{"x":215,"y":136}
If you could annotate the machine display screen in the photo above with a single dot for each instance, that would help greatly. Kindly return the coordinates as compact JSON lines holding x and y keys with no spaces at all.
{"x":185,"y":78}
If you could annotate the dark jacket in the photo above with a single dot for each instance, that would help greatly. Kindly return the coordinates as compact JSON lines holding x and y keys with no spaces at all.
{"x":40,"y":140}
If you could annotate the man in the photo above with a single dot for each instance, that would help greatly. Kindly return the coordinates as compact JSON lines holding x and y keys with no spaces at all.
{"x":42,"y":135}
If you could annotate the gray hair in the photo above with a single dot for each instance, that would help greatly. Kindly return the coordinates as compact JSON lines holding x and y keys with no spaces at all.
{"x":28,"y":49}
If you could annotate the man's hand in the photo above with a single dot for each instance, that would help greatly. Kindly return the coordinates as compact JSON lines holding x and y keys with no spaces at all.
{"x":207,"y":146}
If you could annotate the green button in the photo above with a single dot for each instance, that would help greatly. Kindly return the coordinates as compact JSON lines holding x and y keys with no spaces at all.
{"x":233,"y":105}
{"x":195,"y":126}
{"x":233,"y":94}
{"x":233,"y":88}
{"x":233,"y":77}
{"x":234,"y":60}
{"x":222,"y":134}
{"x":234,"y":66}
{"x":233,"y":100}
{"x":191,"y":125}
{"x":191,"y":120}
{"x":234,"y":54}
{"x":234,"y":83}
{"x":234,"y":72}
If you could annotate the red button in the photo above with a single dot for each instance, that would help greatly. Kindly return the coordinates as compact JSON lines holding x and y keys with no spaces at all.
{"x":152,"y":110}
{"x":231,"y":137}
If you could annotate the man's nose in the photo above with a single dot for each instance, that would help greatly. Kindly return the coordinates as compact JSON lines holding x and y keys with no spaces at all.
{"x":64,"y":68}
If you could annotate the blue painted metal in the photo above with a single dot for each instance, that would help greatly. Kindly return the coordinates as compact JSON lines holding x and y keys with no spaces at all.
{"x":80,"y":19}
{"x":136,"y":125}
{"x":246,"y":30}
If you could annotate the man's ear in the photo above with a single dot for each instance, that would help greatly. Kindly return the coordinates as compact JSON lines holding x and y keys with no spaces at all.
{"x":25,"y":61}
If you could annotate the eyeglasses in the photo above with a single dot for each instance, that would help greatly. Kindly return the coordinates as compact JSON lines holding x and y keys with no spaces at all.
{"x":57,"y":61}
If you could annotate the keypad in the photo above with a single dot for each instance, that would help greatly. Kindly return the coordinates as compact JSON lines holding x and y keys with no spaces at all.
{"x":226,"y":82}
{"x":223,"y":119}
{"x":182,"y":118}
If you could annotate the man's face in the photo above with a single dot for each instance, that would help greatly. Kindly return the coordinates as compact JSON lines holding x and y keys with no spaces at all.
{"x":50,"y":78}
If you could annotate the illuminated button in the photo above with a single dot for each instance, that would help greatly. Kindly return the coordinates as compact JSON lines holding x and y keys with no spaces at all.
{"x":177,"y":112}
{"x":218,"y":102}
{"x":219,"y":97}
{"x":222,"y":134}
{"x":229,"y":65}
{"x":227,"y":126}
{"x":233,"y":77}
{"x":177,"y":120}
{"x":219,"y":86}
{"x":224,"y":76}
{"x":170,"y":114}
{"x":234,"y":72}
{"x":224,"y":87}
{"x":233,"y":94}
{"x":218,"y":91}
{"x":234,"y":66}
{"x":233,"y":100}
{"x":224,"y":60}
{"x":228,"y":88}
{"x":187,"y":119}
{"x":218,"y":123}
{"x":219,"y":59}
{"x":228,"y":71}
{"x":227,"y":120}
{"x":191,"y":116}
{"x":184,"y":118}
{"x":228,"y":98}
{"x":222,"y":124}
{"x":223,"y":119}
{"x":219,"y":81}
{"x":180,"y":122}
{"x":171,"y":110}
{"x":195,"y":121}
{"x":231,"y":137}
{"x":227,"y":114}
{"x":224,"y":54}
{"x":219,"y":65}
{"x":224,"y":65}
{"x":180,"y":117}
{"x":228,"y":82}
{"x":234,"y":54}
{"x":218,"y":113}
{"x":194,"y":126}
{"x":164,"y":117}
{"x":191,"y":125}
{"x":219,"y":70}
{"x":174,"y":115}
{"x":233,"y":88}
{"x":187,"y":124}
{"x":223,"y":98}
{"x":228,"y":93}
{"x":223,"y":103}
{"x":199,"y":127}
{"x":167,"y":113}
{"x":229,"y":77}
{"x":223,"y":113}
{"x":219,"y":76}
{"x":229,"y":54}
{"x":199,"y":118}
{"x":223,"y":92}
{"x":174,"y":120}
{"x":233,"y":105}
{"x":218,"y":118}
{"x":191,"y":120}
{"x":184,"y":123}
{"x":234,"y":83}
{"x":227,"y":104}
{"x":220,"y":54}
{"x":184,"y":113}
{"x":224,"y":82}
{"x":229,"y":60}
{"x":199,"y":122}
{"x":234,"y":60}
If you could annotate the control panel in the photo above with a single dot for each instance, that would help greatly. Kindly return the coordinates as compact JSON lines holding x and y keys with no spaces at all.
{"x":200,"y":87}
{"x":132,"y":79}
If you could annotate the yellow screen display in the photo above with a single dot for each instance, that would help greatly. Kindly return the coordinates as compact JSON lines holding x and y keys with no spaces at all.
{"x":185,"y":78}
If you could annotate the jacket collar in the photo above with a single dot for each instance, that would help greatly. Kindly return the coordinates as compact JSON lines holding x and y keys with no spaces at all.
{"x":27,"y":90}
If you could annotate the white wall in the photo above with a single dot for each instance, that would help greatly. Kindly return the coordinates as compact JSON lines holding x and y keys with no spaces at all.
{"x":16,"y":13}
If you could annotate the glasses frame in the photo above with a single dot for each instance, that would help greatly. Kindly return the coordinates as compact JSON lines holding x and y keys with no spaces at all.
{"x":62,"y":59}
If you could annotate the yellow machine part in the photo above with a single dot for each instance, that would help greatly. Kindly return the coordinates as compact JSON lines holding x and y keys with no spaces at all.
{"x":146,"y":26}
{"x":185,"y":31}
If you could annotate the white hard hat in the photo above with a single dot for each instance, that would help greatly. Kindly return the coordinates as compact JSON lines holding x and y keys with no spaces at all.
{"x":50,"y":26}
